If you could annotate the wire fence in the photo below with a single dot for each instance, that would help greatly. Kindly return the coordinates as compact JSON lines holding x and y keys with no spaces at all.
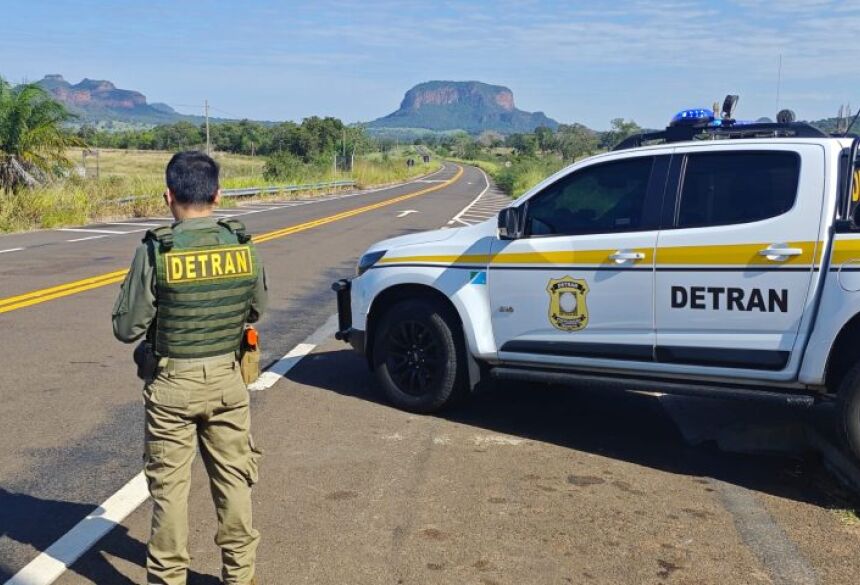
{"x":251,"y":191}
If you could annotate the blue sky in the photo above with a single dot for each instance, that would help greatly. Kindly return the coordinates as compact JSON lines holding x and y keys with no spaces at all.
{"x":583,"y":61}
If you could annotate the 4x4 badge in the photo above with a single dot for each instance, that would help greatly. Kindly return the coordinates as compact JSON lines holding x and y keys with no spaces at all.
{"x":567,"y":308}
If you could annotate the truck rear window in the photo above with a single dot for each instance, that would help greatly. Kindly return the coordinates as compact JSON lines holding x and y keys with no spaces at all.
{"x":737,"y":187}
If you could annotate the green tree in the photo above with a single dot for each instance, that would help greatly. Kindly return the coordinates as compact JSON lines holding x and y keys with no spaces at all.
{"x":33,"y":143}
{"x":545,"y":139}
{"x":575,"y":140}
{"x":523,"y":144}
{"x":620,"y":130}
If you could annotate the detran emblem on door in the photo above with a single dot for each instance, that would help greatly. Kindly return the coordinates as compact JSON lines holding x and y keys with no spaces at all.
{"x":567,"y":308}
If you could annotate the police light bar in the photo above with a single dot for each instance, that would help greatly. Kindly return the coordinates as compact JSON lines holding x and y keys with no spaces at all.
{"x":693,"y":117}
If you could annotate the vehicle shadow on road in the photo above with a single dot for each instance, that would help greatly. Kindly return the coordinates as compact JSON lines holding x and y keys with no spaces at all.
{"x":622,"y":425}
{"x":39,"y":522}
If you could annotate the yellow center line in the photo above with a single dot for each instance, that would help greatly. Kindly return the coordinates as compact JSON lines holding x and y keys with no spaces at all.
{"x":70,"y":288}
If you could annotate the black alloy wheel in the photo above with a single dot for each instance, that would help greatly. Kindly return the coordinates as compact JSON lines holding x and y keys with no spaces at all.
{"x":418,"y":355}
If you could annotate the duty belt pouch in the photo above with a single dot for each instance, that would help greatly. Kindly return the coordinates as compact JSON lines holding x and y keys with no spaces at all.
{"x":146,"y":361}
{"x":249,"y":356}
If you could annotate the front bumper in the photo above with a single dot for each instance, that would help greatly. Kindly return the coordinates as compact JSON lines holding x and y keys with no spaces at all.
{"x":345,"y":330}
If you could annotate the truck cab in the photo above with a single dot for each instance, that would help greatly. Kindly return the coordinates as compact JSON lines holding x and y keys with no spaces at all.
{"x":712,"y":261}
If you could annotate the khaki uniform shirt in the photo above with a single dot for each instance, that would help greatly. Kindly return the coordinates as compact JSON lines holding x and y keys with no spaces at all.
{"x":136,"y":305}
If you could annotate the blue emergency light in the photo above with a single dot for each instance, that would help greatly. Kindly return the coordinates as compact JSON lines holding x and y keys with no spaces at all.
{"x":693,"y":116}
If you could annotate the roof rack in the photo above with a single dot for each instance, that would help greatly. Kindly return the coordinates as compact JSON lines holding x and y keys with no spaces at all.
{"x":704,"y":132}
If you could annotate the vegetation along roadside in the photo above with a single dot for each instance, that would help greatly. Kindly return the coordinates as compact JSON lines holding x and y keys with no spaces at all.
{"x":52,"y":175}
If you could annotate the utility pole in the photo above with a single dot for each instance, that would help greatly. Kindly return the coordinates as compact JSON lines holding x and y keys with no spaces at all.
{"x":206,"y":114}
{"x":778,"y":80}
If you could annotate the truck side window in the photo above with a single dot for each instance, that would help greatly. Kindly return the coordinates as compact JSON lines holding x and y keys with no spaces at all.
{"x":737,"y":187}
{"x":603,"y":198}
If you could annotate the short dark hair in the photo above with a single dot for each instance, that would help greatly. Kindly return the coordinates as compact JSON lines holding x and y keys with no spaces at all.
{"x":192,"y":177}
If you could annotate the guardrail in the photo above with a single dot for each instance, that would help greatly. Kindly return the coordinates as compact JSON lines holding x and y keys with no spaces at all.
{"x":251,"y":191}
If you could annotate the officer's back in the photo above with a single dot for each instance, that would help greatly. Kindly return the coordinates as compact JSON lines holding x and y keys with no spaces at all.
{"x":191,"y":290}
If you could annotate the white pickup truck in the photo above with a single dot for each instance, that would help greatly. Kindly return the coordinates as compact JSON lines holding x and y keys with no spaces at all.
{"x":710,"y":259}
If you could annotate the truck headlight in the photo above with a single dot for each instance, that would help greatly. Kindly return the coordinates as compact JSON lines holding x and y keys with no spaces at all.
{"x":368,"y":260}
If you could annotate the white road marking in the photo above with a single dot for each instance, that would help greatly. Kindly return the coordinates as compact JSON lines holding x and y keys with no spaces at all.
{"x":493,"y":440}
{"x":94,"y":231}
{"x":87,"y":238}
{"x":406,"y":212}
{"x":251,"y":208}
{"x":475,"y":200}
{"x":53,"y":562}
{"x":132,"y":224}
{"x":280,"y":368}
{"x":50,"y":564}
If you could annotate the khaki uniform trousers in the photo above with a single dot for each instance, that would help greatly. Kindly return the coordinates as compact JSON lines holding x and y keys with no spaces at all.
{"x":205,"y":400}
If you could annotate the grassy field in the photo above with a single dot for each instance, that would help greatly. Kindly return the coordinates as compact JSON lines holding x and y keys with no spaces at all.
{"x":518,"y":175}
{"x":124,"y":173}
{"x":150,"y":164}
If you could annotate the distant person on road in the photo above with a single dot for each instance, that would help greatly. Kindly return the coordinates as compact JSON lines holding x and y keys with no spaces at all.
{"x":192,"y":288}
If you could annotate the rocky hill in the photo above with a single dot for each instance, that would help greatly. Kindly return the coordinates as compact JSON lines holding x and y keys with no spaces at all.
{"x":461,"y":105}
{"x":97,"y":101}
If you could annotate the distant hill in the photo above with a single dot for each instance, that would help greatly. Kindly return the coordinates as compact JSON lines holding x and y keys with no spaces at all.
{"x":461,"y":105}
{"x":98,"y":101}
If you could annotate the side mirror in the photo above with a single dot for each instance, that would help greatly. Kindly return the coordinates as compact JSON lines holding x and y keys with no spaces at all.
{"x":511,"y":223}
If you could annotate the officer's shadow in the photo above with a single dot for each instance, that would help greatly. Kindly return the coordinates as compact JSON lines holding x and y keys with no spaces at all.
{"x":38,"y":522}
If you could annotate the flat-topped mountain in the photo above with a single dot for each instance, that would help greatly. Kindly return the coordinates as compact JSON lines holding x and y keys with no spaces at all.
{"x":462,"y":105}
{"x":96,"y":100}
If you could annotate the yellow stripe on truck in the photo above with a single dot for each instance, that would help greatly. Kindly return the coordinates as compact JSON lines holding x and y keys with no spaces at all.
{"x":730,"y":255}
{"x":710,"y":256}
{"x":845,"y":249}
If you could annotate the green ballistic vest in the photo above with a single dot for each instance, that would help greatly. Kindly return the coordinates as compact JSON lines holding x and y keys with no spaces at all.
{"x":205,"y":279}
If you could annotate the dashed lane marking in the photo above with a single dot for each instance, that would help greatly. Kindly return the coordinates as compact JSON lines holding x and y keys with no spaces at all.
{"x":131,"y":224}
{"x":10,"y":250}
{"x":88,"y":238}
{"x":63,"y":290}
{"x":96,"y":231}
{"x":249,"y":208}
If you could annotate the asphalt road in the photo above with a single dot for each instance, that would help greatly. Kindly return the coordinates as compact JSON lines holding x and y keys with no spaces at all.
{"x":524,"y":484}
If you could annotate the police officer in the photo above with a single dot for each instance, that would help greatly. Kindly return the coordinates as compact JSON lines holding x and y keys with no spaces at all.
{"x":191,"y":290}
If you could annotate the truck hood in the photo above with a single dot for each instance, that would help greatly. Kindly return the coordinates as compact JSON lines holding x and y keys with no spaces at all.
{"x":465,"y":234}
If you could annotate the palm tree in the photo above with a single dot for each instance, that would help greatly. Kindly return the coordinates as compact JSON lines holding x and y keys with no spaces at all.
{"x":33,"y":142}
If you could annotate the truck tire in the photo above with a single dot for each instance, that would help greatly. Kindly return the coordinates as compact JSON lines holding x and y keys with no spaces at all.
{"x":418,"y":356}
{"x":848,"y":400}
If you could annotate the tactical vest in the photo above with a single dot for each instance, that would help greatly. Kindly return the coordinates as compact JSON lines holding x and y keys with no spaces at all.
{"x":205,"y":280}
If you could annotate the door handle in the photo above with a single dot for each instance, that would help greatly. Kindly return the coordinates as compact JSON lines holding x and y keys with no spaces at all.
{"x":622,"y":256}
{"x":779,"y":252}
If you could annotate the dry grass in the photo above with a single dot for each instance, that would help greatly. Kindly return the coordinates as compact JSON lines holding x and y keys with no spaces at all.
{"x":150,"y":164}
{"x":368,"y":173}
{"x":137,"y":173}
